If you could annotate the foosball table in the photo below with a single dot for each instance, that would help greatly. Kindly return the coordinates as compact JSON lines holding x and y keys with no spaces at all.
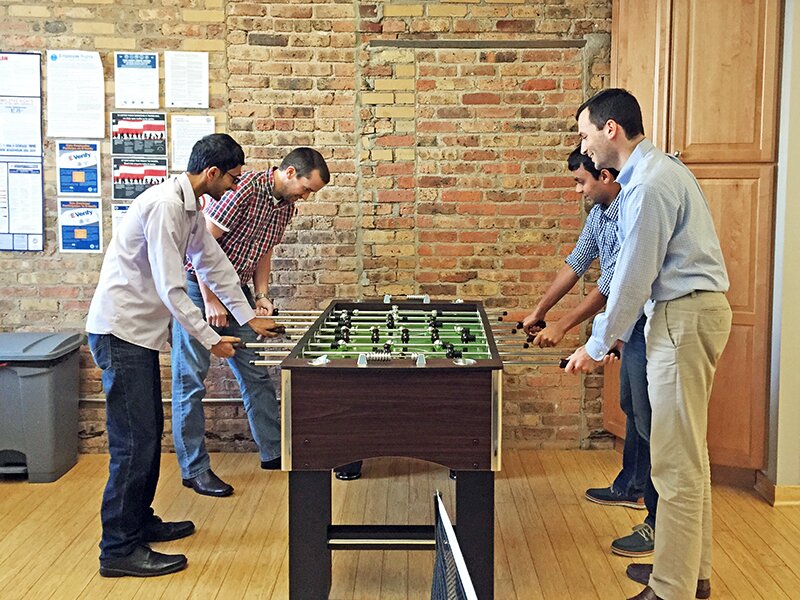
{"x":414,"y":379}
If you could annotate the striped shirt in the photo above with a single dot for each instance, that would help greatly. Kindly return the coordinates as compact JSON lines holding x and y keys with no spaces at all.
{"x":253,"y":221}
{"x":598,"y":240}
{"x":669,"y":247}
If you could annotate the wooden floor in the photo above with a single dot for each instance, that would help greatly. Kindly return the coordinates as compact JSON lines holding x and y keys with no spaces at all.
{"x":550,"y":542}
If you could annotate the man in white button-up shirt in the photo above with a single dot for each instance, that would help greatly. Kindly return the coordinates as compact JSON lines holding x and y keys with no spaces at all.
{"x":142,"y":287}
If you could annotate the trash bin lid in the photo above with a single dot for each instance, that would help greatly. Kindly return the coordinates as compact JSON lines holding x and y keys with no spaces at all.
{"x":37,"y":346}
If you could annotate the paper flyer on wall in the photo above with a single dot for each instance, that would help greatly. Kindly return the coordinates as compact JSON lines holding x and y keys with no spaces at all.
{"x":118,"y":211}
{"x":80,"y":225}
{"x":20,"y":126}
{"x":131,"y":175}
{"x":21,"y":206}
{"x":136,"y":79}
{"x":78,"y":167}
{"x":186,"y":79}
{"x":75,"y":94}
{"x":139,"y":134}
{"x":21,"y":74}
{"x":186,"y":130}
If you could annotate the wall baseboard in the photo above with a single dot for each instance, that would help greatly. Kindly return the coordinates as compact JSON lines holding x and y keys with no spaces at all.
{"x":777,"y":495}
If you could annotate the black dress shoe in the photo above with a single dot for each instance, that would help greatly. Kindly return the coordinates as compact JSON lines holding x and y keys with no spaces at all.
{"x":143,"y":562}
{"x":271,"y":465}
{"x":209,"y":484}
{"x":640,"y":573}
{"x":159,"y":531}
{"x":347,"y":475}
{"x":646,"y":594}
{"x":349,"y":471}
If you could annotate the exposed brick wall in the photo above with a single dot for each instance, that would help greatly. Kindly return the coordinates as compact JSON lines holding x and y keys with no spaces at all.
{"x":448,"y":162}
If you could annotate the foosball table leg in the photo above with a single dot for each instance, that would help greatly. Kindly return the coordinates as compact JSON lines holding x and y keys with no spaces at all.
{"x":309,"y":518}
{"x":475,"y":528}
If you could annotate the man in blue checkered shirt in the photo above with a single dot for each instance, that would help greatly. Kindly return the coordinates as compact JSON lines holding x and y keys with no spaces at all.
{"x":599,"y":240}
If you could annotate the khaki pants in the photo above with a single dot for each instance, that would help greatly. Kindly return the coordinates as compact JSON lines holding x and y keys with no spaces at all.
{"x":685,"y":338}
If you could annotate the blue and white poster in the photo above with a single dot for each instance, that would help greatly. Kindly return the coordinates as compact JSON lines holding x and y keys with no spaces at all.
{"x":80,"y":225}
{"x":136,"y":80}
{"x":78,"y":164}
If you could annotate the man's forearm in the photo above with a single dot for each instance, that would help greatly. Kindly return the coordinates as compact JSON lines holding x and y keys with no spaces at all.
{"x":261,"y":275}
{"x":564,"y":281}
{"x":588,"y":307}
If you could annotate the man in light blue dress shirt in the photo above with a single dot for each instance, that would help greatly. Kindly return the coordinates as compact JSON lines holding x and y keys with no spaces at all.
{"x":670,"y":263}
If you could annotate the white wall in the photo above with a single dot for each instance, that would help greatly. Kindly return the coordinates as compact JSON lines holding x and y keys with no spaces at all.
{"x":783,"y":462}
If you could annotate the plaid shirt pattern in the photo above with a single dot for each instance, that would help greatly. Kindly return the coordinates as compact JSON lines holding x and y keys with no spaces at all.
{"x":598,"y":239}
{"x":253,"y":221}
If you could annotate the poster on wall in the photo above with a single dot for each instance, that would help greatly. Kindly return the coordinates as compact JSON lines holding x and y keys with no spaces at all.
{"x":21,"y":205}
{"x":21,"y":74}
{"x":186,"y":130}
{"x":139,"y":134}
{"x":21,"y":172}
{"x":80,"y":225}
{"x":118,"y":211}
{"x":136,"y":79}
{"x":78,"y":166}
{"x":186,"y":79}
{"x":20,"y":126}
{"x":131,"y":175}
{"x":76,"y":94}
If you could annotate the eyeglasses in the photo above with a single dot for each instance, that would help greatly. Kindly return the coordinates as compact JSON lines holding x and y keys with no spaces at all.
{"x":234,"y":178}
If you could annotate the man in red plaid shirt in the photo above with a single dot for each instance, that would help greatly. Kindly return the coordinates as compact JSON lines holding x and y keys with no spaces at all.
{"x":248,"y":222}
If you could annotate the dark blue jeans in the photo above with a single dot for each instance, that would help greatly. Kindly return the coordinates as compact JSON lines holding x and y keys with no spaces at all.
{"x":134,"y":423}
{"x":634,"y":479}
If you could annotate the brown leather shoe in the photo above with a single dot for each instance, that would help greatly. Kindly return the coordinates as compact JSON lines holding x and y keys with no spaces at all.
{"x":640,"y":573}
{"x":646,"y":594}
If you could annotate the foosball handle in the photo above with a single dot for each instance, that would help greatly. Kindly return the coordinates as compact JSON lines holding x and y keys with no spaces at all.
{"x":562,"y":364}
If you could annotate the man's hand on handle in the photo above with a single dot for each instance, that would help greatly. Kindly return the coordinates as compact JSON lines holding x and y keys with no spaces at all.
{"x":581,"y":362}
{"x":225,"y":348}
{"x":549,"y":336}
{"x":266,"y":327}
{"x":533,"y":323}
{"x":264,"y":307}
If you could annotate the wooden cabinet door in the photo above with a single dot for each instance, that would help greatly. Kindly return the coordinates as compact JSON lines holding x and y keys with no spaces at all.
{"x":741,"y":202}
{"x":640,"y":49}
{"x":613,"y":417}
{"x":724,"y":80}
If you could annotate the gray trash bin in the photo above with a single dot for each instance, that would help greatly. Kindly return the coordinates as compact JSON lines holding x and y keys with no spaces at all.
{"x":39,"y":404}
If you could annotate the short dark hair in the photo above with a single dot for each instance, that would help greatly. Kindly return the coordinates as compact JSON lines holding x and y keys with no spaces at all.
{"x":305,"y":161}
{"x":617,"y":105}
{"x":577,"y":160}
{"x":215,"y":150}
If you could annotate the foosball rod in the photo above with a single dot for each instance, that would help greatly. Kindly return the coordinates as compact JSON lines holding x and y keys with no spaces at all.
{"x":270,"y":344}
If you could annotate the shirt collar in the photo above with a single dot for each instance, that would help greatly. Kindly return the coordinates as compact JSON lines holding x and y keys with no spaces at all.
{"x":642,"y":149}
{"x":190,"y":203}
{"x":611,"y":212}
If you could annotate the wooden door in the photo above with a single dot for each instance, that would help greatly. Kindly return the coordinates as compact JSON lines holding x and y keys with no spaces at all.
{"x":724,"y":80}
{"x":741,"y":201}
{"x":640,"y":49}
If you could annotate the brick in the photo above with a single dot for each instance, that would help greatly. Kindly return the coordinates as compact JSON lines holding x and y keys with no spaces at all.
{"x":92,"y":28}
{"x":115,"y":43}
{"x":445,"y":10}
{"x":377,"y":98}
{"x":28,"y":11}
{"x":394,"y":84}
{"x":203,"y":16}
{"x":402,"y":10}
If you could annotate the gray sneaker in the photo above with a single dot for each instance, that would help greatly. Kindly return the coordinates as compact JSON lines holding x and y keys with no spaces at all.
{"x":640,"y":543}
{"x":611,"y":497}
